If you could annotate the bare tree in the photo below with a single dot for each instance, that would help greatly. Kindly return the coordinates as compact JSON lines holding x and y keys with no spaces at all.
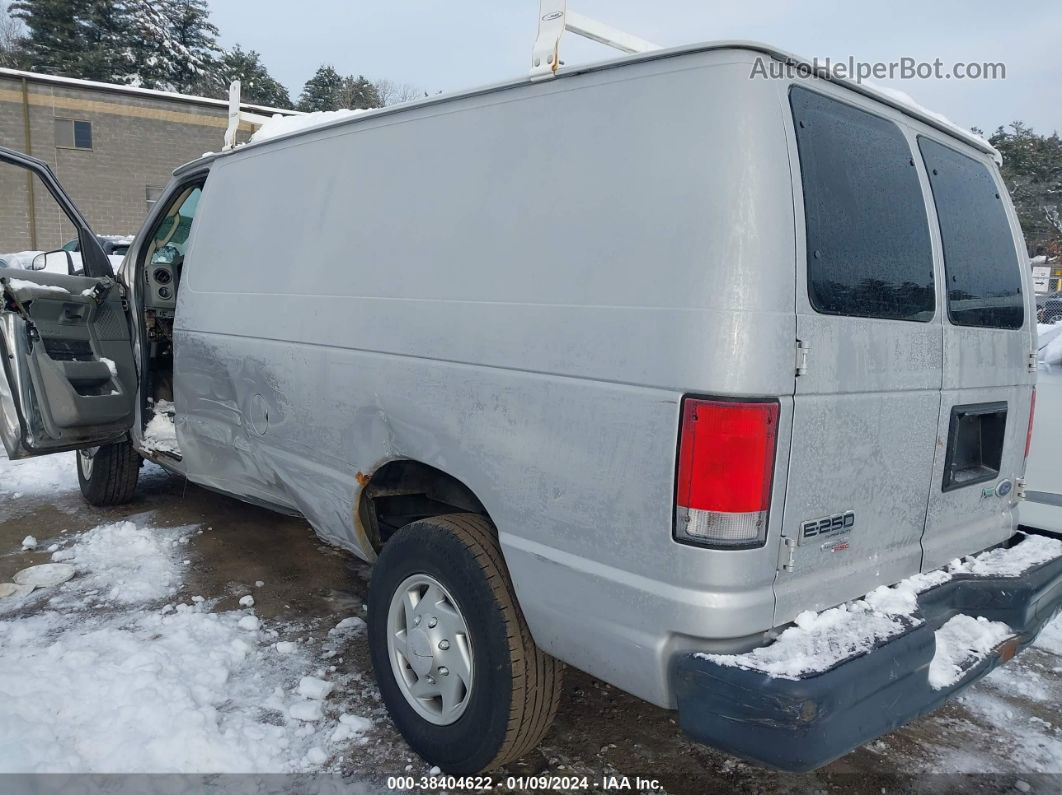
{"x":392,"y":93}
{"x":12,"y":32}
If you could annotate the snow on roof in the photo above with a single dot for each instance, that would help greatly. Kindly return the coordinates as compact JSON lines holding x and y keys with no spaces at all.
{"x":282,"y":125}
{"x":148,"y":92}
{"x":905,"y":99}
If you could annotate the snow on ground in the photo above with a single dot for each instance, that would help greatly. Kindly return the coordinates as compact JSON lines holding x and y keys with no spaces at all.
{"x":150,"y":683}
{"x":1049,"y":344}
{"x":34,"y":477}
{"x":1051,"y":640}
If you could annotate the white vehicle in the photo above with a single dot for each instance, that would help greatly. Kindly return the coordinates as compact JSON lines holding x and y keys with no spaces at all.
{"x":1042,"y":507}
{"x":629,"y":368}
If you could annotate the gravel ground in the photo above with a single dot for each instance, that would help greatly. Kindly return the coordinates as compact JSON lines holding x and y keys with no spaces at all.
{"x":1004,"y":735}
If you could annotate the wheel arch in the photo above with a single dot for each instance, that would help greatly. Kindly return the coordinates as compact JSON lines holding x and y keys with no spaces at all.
{"x":404,"y":490}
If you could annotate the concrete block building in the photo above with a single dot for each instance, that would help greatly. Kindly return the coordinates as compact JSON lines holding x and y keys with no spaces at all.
{"x":113,"y":147}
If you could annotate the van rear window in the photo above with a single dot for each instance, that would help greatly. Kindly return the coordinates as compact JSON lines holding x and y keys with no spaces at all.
{"x":980,"y":263}
{"x":868,"y":244}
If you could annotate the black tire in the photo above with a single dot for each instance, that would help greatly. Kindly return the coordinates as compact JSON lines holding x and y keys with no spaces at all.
{"x":516,"y":688}
{"x":1052,"y":315}
{"x":111,"y":476}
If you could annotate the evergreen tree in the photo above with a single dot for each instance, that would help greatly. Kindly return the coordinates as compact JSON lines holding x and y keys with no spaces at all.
{"x":173,"y":44}
{"x":357,"y":92}
{"x":104,"y":55}
{"x":54,"y":43}
{"x":322,"y":91}
{"x":256,"y":84}
{"x":1032,"y":172}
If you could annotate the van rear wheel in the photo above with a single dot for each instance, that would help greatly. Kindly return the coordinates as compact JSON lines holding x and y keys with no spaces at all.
{"x":108,"y":474}
{"x":458,"y":670}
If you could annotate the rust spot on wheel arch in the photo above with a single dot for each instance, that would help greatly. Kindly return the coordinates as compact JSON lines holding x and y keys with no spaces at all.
{"x":362,"y":479}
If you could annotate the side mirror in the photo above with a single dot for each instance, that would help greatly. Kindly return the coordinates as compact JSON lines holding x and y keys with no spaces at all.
{"x":40,"y":262}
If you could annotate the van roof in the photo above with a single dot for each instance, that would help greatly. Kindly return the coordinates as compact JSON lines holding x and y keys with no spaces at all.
{"x":894,"y":99}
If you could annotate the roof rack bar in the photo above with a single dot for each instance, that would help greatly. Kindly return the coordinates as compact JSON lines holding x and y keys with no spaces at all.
{"x":236,"y":116}
{"x":554,"y":18}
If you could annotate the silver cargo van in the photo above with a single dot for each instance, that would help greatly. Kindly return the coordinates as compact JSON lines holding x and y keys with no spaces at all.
{"x":625,"y":370}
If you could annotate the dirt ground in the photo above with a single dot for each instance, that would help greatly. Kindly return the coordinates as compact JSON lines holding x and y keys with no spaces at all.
{"x":1004,"y":728}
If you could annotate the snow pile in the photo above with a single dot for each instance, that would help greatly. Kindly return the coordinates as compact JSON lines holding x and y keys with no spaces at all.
{"x":185,"y":691}
{"x":160,"y":434}
{"x":1030,"y":551}
{"x":138,"y":688}
{"x":123,"y":563}
{"x":961,"y":643}
{"x":819,"y":641}
{"x":47,"y":475}
{"x":1049,"y":344}
{"x":282,"y":125}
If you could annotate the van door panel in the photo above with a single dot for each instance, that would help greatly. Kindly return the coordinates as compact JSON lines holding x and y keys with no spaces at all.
{"x":56,"y":343}
{"x":987,"y":363}
{"x":65,"y":343}
{"x":866,"y":408}
{"x":859,"y":446}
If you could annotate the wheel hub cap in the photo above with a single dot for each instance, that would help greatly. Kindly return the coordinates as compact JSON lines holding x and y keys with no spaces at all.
{"x":430,"y":649}
{"x":421,"y":660}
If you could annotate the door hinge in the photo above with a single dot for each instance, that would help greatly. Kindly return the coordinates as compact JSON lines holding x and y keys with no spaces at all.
{"x":787,"y":554}
{"x":1019,"y":488}
{"x":1034,"y":361}
{"x":802,"y":350}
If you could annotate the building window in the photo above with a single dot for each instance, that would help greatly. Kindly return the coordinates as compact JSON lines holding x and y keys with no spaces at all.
{"x":71,"y":134}
{"x":152,"y":193}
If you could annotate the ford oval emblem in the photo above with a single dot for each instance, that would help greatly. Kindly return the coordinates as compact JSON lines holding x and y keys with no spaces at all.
{"x":552,"y":16}
{"x":1004,"y":487}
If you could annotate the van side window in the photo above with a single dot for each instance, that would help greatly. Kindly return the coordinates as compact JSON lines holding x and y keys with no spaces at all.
{"x":868,"y":245}
{"x":980,"y":263}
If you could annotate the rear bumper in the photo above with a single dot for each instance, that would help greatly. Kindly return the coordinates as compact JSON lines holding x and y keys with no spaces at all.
{"x":801,"y":724}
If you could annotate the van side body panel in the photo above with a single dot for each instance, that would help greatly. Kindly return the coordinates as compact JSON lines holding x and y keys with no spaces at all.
{"x":413,"y":286}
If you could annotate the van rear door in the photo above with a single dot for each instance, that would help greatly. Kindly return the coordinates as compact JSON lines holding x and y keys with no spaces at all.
{"x":866,"y":406}
{"x":989,"y":337}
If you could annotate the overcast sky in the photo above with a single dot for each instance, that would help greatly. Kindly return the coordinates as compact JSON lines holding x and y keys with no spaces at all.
{"x":459,"y":44}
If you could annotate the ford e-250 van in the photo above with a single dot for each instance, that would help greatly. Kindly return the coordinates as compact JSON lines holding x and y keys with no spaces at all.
{"x":628,"y":369}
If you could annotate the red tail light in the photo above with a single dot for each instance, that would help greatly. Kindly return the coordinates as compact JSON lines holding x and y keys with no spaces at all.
{"x":1032,"y":413}
{"x":725,"y":471}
